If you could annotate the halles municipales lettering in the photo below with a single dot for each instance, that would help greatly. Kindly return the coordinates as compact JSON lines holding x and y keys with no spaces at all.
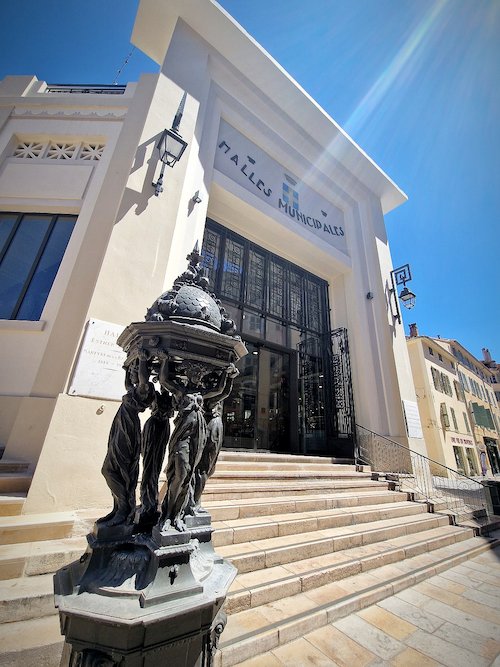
{"x":292,"y":211}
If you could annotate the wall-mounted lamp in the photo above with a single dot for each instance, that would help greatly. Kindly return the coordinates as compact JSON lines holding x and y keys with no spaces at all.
{"x":401,"y":276}
{"x":196,"y":199}
{"x":171,"y":146}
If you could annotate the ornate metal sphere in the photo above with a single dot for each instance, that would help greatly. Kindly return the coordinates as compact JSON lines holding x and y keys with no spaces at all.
{"x":193,"y":303}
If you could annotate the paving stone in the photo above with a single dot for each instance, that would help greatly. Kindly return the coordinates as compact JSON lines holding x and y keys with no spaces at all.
{"x":470,"y":641}
{"x":423,"y":620}
{"x":337,"y":646}
{"x":446,"y":584}
{"x":373,"y":639}
{"x":412,"y":658}
{"x":487,"y":599}
{"x":266,"y":660}
{"x":387,"y":622}
{"x":479,"y":610}
{"x":414,"y":596}
{"x":301,"y":653}
{"x":463,"y":619}
{"x":444,"y":651}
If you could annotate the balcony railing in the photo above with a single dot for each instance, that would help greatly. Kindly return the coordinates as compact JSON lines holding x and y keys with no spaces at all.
{"x":428,"y":480}
{"x":80,"y":89}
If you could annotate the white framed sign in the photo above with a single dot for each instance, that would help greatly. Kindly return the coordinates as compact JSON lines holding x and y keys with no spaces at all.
{"x":99,"y":368}
{"x":412,"y":417}
{"x":253,"y":169}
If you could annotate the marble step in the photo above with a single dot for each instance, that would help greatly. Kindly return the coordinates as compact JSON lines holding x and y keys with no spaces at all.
{"x":14,"y":482}
{"x":255,"y":631}
{"x":33,"y":558}
{"x":237,"y":531}
{"x":222,"y":510}
{"x":35,"y":527}
{"x":265,"y":553}
{"x":282,"y":466}
{"x":42,"y":556}
{"x":268,"y":457}
{"x":284,"y":475}
{"x":237,"y":491}
{"x":252,"y":589}
{"x":26,"y":597}
{"x":31,"y":597}
{"x":12,"y":504}
{"x":37,"y":641}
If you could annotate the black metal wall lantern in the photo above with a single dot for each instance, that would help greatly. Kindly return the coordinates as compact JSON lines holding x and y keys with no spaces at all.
{"x":401,"y":276}
{"x":171,"y":146}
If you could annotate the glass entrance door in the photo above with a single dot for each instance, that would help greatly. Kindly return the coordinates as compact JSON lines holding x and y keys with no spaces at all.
{"x":257,"y":413}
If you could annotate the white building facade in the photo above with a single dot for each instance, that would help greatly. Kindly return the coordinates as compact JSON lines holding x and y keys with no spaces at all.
{"x":289,"y":213}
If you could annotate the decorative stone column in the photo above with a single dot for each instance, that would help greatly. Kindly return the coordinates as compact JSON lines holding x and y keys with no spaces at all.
{"x":149,"y":589}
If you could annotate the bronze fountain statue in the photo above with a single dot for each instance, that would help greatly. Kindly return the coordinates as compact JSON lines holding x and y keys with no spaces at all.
{"x":180,"y":361}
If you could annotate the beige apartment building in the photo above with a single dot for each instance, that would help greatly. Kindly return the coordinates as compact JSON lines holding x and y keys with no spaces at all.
{"x":458,"y":409}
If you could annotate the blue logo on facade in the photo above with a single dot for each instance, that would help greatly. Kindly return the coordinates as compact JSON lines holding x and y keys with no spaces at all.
{"x":290,"y":196}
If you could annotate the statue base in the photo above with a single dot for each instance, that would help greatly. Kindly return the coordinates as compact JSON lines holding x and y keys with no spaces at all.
{"x":137,"y":600}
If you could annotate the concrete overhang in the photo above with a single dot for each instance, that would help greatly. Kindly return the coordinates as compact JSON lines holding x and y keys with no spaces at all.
{"x":153,"y":30}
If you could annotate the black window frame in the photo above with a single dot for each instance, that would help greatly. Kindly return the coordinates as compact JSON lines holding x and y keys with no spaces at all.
{"x":54,"y":218}
{"x":289,"y":267}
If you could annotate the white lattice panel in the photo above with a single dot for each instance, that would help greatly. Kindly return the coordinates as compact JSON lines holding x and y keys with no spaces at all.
{"x":58,"y":150}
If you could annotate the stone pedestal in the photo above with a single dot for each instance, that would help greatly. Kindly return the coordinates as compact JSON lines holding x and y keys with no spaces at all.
{"x":139,"y":600}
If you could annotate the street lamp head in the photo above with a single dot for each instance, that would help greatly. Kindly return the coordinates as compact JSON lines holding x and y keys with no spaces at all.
{"x":407,"y":297}
{"x":401,"y":276}
{"x":171,"y":147}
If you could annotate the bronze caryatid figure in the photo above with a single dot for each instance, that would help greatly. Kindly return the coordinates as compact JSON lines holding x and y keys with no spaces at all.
{"x":180,"y":361}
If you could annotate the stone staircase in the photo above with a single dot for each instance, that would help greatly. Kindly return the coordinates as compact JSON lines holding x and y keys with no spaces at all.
{"x":15,"y":481}
{"x":313,"y":540}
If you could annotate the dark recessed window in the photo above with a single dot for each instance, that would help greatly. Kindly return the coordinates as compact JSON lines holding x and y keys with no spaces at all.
{"x":32,"y":246}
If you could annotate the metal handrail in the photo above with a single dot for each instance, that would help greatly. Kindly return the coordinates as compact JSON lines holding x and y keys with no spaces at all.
{"x":416,"y":473}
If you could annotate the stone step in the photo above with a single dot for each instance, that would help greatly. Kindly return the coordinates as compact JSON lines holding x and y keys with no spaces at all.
{"x":254,"y":466}
{"x":34,"y":558}
{"x":282,"y":476}
{"x":31,"y":597}
{"x":222,"y":510}
{"x":237,"y":531}
{"x":13,"y":466}
{"x":252,"y":589}
{"x":268,"y":457}
{"x":255,"y":631}
{"x":266,"y":553}
{"x":27,"y":597}
{"x":35,"y":527}
{"x":12,"y":504}
{"x":37,"y":641}
{"x":239,"y":491}
{"x":18,"y":559}
{"x":14,"y":482}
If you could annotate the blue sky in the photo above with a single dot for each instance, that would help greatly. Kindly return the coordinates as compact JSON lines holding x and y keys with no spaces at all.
{"x":416,"y":83}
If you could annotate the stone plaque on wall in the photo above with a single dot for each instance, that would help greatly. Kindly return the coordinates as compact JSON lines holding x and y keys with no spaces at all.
{"x":98,"y":371}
